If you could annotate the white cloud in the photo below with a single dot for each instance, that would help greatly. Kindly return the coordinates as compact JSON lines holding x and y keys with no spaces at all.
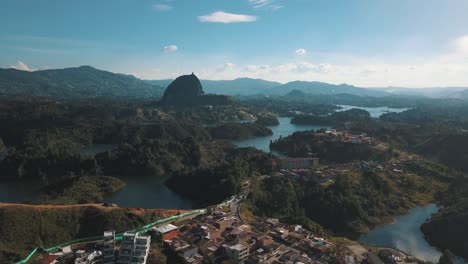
{"x":449,"y":68}
{"x":461,"y":44}
{"x":228,"y":66}
{"x":162,"y":7}
{"x":270,"y":4}
{"x":301,"y":51}
{"x":21,"y":66}
{"x":223,"y":17}
{"x":170,"y":49}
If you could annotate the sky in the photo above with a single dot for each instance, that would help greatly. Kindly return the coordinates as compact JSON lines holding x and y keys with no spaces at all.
{"x":372,"y":43}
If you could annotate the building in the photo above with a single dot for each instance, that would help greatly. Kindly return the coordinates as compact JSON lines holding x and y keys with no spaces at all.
{"x":134,"y":249}
{"x":94,"y":257}
{"x":108,"y":248}
{"x":167,"y":232}
{"x":265,"y":241}
{"x":188,"y":252}
{"x":297,"y":163}
{"x":50,"y":259}
{"x":141,"y":249}
{"x":237,"y":253}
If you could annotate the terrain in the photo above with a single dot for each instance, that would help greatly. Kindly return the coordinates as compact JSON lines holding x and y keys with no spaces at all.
{"x":80,"y":82}
{"x":47,"y":225}
{"x":416,"y":157}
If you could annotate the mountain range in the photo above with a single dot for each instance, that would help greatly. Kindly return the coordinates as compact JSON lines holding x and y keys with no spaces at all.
{"x":86,"y":82}
{"x":79,"y":82}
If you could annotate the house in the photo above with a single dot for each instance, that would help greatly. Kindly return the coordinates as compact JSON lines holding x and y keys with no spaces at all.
{"x":265,"y":241}
{"x":51,"y":259}
{"x":237,"y":253}
{"x":167,"y":232}
{"x":297,"y":163}
{"x":188,"y":252}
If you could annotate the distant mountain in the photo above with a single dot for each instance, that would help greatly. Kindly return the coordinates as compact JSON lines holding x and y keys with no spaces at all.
{"x":247,"y":86}
{"x":183,"y":90}
{"x":79,"y":82}
{"x":462,"y":94}
{"x":325,"y":88}
{"x":240,"y":86}
{"x":433,"y":92}
{"x":187,"y":90}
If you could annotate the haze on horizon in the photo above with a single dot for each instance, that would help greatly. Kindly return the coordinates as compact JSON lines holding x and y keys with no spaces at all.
{"x":418,"y":43}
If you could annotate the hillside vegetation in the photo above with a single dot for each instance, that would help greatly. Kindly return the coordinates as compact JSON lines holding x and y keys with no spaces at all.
{"x":73,"y":83}
{"x":22,"y":228}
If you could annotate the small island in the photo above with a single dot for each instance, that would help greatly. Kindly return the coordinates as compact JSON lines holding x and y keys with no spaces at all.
{"x":267,"y":120}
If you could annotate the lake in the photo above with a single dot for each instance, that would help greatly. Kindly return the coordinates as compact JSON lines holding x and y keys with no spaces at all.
{"x":285,"y":128}
{"x":19,"y":191}
{"x":148,"y":192}
{"x":92,"y":150}
{"x":373,"y":111}
{"x":405,"y":234}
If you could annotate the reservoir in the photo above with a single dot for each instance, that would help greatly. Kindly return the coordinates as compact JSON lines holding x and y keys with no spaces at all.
{"x":148,"y":192}
{"x":285,"y":128}
{"x":404,"y":234}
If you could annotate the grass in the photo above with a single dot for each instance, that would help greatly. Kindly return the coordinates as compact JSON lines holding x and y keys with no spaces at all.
{"x":246,"y":212}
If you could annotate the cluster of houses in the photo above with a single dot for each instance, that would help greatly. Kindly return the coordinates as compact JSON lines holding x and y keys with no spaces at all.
{"x":344,"y":136}
{"x":307,"y":169}
{"x":134,"y":249}
{"x":221,"y":237}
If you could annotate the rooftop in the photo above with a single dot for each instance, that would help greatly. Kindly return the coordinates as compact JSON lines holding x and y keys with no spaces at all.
{"x":165,"y":228}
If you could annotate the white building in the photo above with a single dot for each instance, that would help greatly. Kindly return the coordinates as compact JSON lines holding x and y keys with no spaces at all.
{"x":237,"y":253}
{"x":134,"y":249}
{"x":108,"y":249}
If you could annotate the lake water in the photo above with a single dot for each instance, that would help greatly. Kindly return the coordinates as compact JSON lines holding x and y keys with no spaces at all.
{"x":15,"y":192}
{"x":285,"y":128}
{"x":405,"y":234}
{"x":373,"y":111}
{"x":97,"y":148}
{"x":148,"y":192}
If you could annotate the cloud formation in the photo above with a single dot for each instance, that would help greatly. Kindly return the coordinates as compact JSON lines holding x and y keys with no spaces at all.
{"x":170,"y":49}
{"x":301,"y":51}
{"x":21,"y":66}
{"x":270,"y":4}
{"x":162,"y":7}
{"x":223,"y":17}
{"x":461,"y":44}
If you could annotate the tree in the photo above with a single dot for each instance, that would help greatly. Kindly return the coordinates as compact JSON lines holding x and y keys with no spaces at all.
{"x":447,"y":258}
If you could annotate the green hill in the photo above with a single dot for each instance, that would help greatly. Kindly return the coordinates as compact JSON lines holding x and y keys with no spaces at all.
{"x":79,"y":82}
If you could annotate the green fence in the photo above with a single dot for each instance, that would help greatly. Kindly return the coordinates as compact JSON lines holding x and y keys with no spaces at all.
{"x":119,"y":236}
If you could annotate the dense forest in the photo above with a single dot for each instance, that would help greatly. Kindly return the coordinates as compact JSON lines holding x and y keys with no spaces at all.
{"x":310,"y":143}
{"x":354,"y":202}
{"x":337,"y":118}
{"x":447,"y":229}
{"x":42,"y":138}
{"x":267,"y":120}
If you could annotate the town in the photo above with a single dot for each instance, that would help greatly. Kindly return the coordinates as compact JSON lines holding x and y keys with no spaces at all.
{"x":219,"y":235}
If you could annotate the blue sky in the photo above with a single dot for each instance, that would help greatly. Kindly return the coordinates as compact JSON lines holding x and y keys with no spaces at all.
{"x":416,"y":43}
